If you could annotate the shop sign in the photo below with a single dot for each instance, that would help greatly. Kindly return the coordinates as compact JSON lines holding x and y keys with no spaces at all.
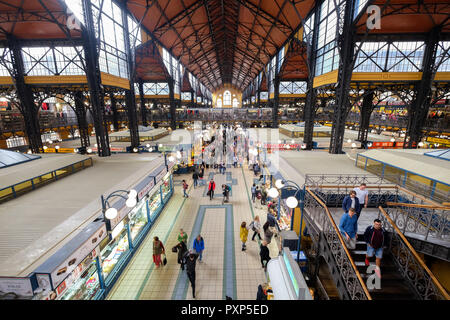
{"x":77,"y":272}
{"x":122,"y":213}
{"x":170,"y":165}
{"x":20,"y":286}
{"x":71,"y":263}
{"x":161,"y":175}
{"x":438,"y":140}
{"x":66,"y":150}
{"x":147,"y":188}
{"x":113,"y":149}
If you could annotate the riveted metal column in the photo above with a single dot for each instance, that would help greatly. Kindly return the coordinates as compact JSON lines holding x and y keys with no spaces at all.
{"x":418,"y":112}
{"x":130,"y":95}
{"x":173,"y":123}
{"x":80,"y":112}
{"x":346,"y":42}
{"x":143,"y":108}
{"x":28,"y":108}
{"x":276,"y":94}
{"x":365,"y":112}
{"x":309,"y":111}
{"x":93,"y":76}
{"x":114,"y":111}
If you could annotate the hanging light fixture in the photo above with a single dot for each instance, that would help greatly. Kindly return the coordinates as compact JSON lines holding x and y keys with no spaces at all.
{"x":273,"y":193}
{"x":292,"y":202}
{"x":111,"y":213}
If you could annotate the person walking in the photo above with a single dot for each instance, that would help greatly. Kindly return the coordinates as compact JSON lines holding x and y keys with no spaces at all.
{"x":211,"y":188}
{"x":264,"y":254}
{"x":243,"y":233}
{"x":363,"y":197}
{"x":195,"y":178}
{"x":268,"y":233}
{"x":199,"y":246}
{"x":255,"y":225}
{"x":263,"y":196}
{"x":226,"y":193}
{"x":182,"y":236}
{"x":374,"y":237}
{"x":185,"y":186}
{"x":235,"y":160}
{"x":202,"y":168}
{"x":181,"y":249}
{"x":263,"y":290}
{"x":253,"y":192}
{"x":190,"y":262}
{"x":351,"y":201}
{"x":158,"y":250}
{"x":272,"y":218}
{"x":348,"y":227}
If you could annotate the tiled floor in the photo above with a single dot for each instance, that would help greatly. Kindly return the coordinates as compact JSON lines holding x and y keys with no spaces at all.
{"x":225,"y":270}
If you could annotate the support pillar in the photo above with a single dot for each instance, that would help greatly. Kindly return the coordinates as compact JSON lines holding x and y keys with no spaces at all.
{"x":173,"y":123}
{"x":309,"y":113}
{"x":80,"y":112}
{"x":346,"y":42}
{"x":143,"y":108}
{"x":130,"y":102}
{"x":93,"y":76}
{"x":276,"y":100}
{"x":28,"y":108}
{"x":418,"y":111}
{"x":365,"y":113}
{"x":115,"y":116}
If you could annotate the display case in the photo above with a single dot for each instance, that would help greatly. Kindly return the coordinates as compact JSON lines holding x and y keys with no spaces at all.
{"x":154,"y":204}
{"x":285,"y":216}
{"x":112,"y":252}
{"x":86,"y":287}
{"x":166,"y":186}
{"x":138,"y":220}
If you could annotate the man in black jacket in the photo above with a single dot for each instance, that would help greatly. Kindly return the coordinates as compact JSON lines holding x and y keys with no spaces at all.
{"x":264,"y":254}
{"x":374,"y":237}
{"x":190,"y":261}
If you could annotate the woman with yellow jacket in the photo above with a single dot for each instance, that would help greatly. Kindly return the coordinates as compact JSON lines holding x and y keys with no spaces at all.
{"x":243,"y":234}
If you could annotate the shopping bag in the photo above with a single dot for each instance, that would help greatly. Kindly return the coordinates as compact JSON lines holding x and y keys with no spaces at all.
{"x":208,"y":193}
{"x":164,"y":260}
{"x":174,"y":249}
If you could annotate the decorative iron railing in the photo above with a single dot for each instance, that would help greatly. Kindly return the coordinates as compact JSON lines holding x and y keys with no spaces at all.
{"x":423,"y":220}
{"x":318,"y":212}
{"x":411,"y":266}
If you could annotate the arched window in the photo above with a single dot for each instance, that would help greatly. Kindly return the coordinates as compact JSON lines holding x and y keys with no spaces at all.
{"x":219,"y":103}
{"x":227,"y":98}
{"x":235,"y":103}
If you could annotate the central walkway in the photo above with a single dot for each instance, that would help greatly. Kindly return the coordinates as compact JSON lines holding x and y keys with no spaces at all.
{"x":225,"y":269}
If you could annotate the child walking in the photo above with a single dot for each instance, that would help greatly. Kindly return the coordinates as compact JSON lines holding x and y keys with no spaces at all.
{"x":244,"y":235}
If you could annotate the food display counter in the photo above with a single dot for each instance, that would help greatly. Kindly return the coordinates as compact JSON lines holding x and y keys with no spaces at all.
{"x":286,"y":279}
{"x":114,"y":251}
{"x":166,"y":186}
{"x":155,"y":204}
{"x":86,"y":281}
{"x":138,"y":218}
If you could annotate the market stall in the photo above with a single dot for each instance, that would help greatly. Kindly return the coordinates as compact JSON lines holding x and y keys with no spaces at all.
{"x":286,"y":279}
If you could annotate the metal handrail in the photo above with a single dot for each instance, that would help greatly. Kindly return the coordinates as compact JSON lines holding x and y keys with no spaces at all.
{"x":341,"y":239}
{"x":414,"y":205}
{"x":418,"y":260}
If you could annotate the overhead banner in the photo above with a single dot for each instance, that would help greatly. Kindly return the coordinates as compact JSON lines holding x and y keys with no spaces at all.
{"x":17,"y":287}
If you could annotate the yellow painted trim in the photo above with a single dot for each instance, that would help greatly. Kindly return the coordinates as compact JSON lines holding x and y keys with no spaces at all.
{"x":111,"y":80}
{"x":55,"y":79}
{"x":153,"y":96}
{"x":386,"y":76}
{"x":6,"y":80}
{"x":294,"y":95}
{"x":176,"y":96}
{"x":272,"y":95}
{"x":442,"y":76}
{"x":326,"y":78}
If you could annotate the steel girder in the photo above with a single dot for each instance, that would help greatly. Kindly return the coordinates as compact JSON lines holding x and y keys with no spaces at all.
{"x":346,"y":42}
{"x":115,"y":116}
{"x":93,"y":76}
{"x":143,"y":108}
{"x":365,"y":112}
{"x":418,"y":110}
{"x":24,"y":93}
{"x":80,"y":112}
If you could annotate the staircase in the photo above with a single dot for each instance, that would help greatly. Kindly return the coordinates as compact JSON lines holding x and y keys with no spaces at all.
{"x":393,"y":285}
